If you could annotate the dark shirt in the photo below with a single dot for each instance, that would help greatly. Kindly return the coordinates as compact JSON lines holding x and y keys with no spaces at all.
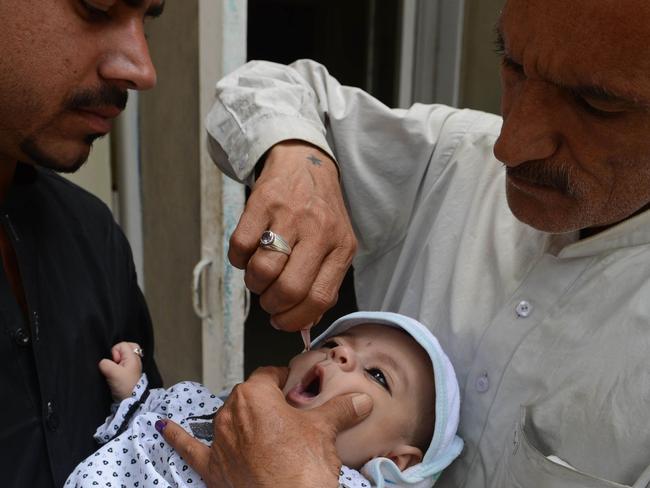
{"x":82,"y":298}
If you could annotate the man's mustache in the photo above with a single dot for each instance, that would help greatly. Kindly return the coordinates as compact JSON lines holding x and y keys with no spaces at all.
{"x":545,"y":173}
{"x":105,"y":95}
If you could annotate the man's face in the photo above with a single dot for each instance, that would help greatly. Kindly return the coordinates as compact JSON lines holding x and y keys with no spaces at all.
{"x":65,"y":67}
{"x":576,"y":108}
{"x":381,"y":361}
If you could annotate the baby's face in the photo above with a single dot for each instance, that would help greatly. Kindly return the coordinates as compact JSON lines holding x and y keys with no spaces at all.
{"x":381,"y":361}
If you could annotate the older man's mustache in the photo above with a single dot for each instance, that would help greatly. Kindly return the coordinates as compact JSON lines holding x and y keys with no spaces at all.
{"x":546,"y":173}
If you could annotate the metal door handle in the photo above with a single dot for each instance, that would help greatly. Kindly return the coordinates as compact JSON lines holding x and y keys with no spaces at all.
{"x":197,"y":288}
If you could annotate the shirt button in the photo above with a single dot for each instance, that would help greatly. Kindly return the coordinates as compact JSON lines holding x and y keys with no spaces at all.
{"x":51,"y":417}
{"x":21,"y":337}
{"x":523,"y":309}
{"x":482,"y":383}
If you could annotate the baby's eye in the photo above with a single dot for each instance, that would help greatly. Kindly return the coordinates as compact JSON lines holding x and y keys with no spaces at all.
{"x":329,"y":345}
{"x":378,"y":376}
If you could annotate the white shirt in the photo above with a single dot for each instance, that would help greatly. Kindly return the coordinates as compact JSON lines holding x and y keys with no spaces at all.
{"x":550,"y":336}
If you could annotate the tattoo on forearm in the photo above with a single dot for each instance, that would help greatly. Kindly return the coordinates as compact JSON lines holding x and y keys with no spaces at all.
{"x":314,"y":160}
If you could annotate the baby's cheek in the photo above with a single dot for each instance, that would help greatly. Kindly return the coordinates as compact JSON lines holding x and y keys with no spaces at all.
{"x":353,"y":447}
{"x":368,"y":439}
{"x":376,"y":436}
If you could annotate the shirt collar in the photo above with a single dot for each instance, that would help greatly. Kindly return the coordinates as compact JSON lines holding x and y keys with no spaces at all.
{"x":25,"y":177}
{"x":634,"y":231}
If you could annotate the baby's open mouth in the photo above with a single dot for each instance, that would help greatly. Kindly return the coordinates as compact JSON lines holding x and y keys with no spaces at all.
{"x":309,"y":387}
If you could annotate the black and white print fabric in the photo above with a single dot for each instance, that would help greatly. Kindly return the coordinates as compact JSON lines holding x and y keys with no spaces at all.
{"x":134,"y":454}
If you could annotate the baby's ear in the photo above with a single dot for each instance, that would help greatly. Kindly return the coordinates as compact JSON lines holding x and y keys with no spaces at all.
{"x":405,"y":456}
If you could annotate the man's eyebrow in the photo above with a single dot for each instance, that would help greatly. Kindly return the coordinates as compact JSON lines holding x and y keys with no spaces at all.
{"x":594,"y":92}
{"x":154,"y":11}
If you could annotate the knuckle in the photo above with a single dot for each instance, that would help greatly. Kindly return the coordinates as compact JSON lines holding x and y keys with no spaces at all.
{"x":173,"y":436}
{"x":234,"y":393}
{"x":291,"y":291}
{"x":239,"y":243}
{"x":189,"y":451}
{"x":251,"y":284}
{"x":319,"y":213}
{"x":268,"y":303}
{"x":222,"y":419}
{"x":352,"y":244}
{"x":238,"y":395}
{"x":262,"y":270}
{"x":323,"y":298}
{"x":268,"y":194}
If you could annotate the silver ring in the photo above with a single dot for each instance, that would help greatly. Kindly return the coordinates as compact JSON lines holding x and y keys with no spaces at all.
{"x":273,"y":242}
{"x":138,"y":352}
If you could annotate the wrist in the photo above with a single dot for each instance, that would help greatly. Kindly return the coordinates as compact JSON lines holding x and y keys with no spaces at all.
{"x":128,"y":387}
{"x":297,"y":150}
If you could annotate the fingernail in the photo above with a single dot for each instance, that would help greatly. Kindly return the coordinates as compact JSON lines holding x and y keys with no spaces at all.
{"x":274,"y":325}
{"x":362,"y":404}
{"x":161,"y":424}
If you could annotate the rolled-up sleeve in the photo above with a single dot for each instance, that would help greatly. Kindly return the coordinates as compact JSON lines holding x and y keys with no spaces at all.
{"x":383,"y":154}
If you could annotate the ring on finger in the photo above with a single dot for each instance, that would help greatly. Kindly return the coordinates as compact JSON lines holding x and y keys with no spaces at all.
{"x":274,"y":242}
{"x":138,"y":351}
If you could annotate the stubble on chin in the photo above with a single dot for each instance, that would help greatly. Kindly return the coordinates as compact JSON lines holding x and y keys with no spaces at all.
{"x":40,"y":157}
{"x":36,"y":150}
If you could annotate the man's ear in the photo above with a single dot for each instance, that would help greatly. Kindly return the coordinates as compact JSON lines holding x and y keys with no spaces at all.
{"x":405,"y":456}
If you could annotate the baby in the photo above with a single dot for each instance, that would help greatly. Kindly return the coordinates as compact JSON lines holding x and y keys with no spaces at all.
{"x":407,"y":440}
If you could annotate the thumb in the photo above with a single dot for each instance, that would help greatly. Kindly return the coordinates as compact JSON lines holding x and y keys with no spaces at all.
{"x":344,"y":411}
{"x":109,"y":368}
{"x":191,"y":450}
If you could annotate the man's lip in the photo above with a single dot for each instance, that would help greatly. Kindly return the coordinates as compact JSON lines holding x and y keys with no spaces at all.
{"x":99,"y":120}
{"x":106,"y":111}
{"x":528,"y":185}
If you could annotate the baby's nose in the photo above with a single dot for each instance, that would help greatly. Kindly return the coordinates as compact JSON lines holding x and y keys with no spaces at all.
{"x":343,"y":356}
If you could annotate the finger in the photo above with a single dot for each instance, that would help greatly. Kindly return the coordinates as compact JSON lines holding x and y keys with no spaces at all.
{"x":295,"y":281}
{"x":127,"y":355}
{"x":322,"y":296}
{"x":115,"y":353}
{"x":270,"y":375}
{"x":264,"y":268}
{"x":246,"y":237}
{"x":132,"y":354}
{"x":109,"y":368}
{"x":344,"y":411}
{"x":191,"y":450}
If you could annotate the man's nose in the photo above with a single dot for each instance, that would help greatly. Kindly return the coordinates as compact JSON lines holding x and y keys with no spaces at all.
{"x":343,"y":356}
{"x":127,"y":63}
{"x":531,"y":118}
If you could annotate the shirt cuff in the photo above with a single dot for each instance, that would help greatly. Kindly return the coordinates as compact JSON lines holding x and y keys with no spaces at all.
{"x":120,"y":411}
{"x":237,"y":149}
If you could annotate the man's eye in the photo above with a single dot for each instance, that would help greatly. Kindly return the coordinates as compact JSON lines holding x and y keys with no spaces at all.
{"x":600,"y":107}
{"x":329,"y":345}
{"x":510,"y":64}
{"x":97,"y":10}
{"x":378,"y":376}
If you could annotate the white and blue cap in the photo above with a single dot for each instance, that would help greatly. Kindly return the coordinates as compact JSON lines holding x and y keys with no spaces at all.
{"x":445,"y":445}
